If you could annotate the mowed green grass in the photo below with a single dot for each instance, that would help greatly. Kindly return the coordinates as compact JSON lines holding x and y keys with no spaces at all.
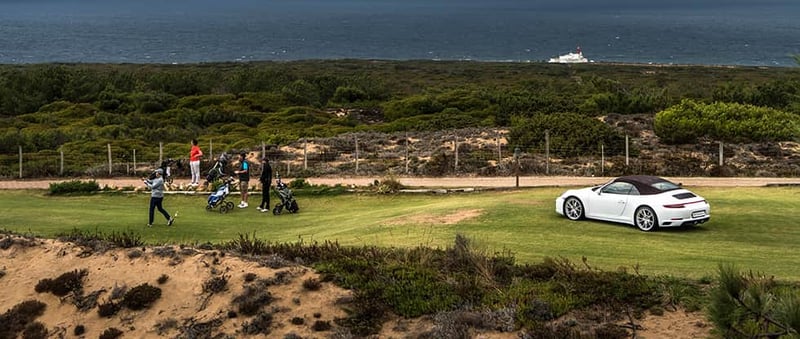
{"x":755,"y":228}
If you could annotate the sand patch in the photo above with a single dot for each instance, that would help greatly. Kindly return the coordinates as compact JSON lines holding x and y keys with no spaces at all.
{"x":427,"y":218}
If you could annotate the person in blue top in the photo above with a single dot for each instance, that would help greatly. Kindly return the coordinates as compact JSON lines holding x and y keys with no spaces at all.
{"x":244,"y":177}
{"x":156,"y":186}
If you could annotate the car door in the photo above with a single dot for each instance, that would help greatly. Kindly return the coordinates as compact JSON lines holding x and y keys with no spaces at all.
{"x":610,"y":201}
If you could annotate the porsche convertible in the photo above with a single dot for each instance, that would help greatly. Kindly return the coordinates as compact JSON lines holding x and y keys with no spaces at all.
{"x":647,"y":202}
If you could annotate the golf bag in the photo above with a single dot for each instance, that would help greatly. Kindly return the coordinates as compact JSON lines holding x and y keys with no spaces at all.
{"x":287,"y":198}
{"x":218,"y":198}
{"x":218,"y":171}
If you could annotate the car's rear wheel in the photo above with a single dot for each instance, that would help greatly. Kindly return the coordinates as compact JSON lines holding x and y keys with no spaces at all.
{"x":573,"y":209}
{"x":645,"y":219}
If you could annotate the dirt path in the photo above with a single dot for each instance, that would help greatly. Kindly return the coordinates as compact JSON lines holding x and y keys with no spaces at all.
{"x":448,"y":182}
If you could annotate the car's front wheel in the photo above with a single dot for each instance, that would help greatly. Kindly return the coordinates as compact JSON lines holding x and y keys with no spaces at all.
{"x":645,"y":219}
{"x":573,"y":208}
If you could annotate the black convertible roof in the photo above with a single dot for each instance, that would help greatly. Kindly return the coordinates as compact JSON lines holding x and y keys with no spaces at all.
{"x":644,"y":183}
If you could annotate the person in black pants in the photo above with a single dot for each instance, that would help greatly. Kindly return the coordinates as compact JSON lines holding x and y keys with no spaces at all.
{"x":266,"y":182}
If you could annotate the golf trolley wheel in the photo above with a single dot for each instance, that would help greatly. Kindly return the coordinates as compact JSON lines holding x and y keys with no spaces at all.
{"x":229,"y":204}
{"x":223,"y":209}
{"x":293,"y":207}
{"x":209,"y":208}
{"x":277,"y":210}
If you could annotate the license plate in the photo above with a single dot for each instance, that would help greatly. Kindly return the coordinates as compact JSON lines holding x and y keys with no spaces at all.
{"x":697,"y":214}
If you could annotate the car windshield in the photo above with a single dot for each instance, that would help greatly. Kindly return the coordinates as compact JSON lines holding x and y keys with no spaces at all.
{"x":665,"y":186}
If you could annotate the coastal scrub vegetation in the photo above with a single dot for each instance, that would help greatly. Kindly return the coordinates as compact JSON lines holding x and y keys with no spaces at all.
{"x":80,"y":108}
{"x":463,"y":287}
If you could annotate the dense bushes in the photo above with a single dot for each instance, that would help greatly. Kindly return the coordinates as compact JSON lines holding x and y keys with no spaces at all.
{"x":690,"y":120}
{"x":572,"y":133}
{"x":74,"y":187}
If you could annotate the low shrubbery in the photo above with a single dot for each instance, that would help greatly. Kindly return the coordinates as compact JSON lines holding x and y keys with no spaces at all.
{"x":420,"y":281}
{"x":20,"y":317}
{"x":463,"y":287}
{"x":74,"y":187}
{"x":689,"y":121}
{"x":569,"y":135}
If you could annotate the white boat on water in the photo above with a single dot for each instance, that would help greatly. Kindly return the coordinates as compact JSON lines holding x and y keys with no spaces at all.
{"x":570,"y":58}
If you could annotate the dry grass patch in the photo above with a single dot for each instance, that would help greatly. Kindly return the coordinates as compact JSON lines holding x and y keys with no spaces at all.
{"x":427,"y":218}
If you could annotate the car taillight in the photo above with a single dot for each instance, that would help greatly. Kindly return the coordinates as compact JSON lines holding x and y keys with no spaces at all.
{"x":683,"y":204}
{"x":675,"y":206}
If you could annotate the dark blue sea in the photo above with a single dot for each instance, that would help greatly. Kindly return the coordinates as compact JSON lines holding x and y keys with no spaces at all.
{"x":708,"y":32}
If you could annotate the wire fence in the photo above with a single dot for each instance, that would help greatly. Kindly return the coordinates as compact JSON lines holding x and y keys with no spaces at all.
{"x":460,"y":153}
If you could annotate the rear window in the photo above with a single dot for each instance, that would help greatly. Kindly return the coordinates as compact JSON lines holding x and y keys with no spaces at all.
{"x":686,"y":195}
{"x":664,"y":186}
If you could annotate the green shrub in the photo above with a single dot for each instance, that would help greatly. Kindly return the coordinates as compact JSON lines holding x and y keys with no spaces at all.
{"x":689,"y":121}
{"x":69,"y":282}
{"x":298,"y":183}
{"x":35,"y":330}
{"x":260,"y":324}
{"x":320,"y":326}
{"x":17,"y":319}
{"x":312,"y":284}
{"x":253,"y":298}
{"x":111,"y":333}
{"x":74,"y":187}
{"x":389,"y":185}
{"x":108,"y":309}
{"x":570,"y":134}
{"x":215,"y":284}
{"x":162,"y":279}
{"x":141,"y":296}
{"x":125,"y":239}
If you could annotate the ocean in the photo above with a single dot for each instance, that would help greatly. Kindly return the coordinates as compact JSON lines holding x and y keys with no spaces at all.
{"x":704,"y":32}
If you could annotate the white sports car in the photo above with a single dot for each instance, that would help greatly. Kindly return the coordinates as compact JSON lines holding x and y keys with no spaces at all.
{"x":646,"y":202}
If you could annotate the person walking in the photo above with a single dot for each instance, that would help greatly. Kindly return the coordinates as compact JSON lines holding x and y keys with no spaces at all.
{"x":156,"y":186}
{"x":244,"y":177}
{"x":194,"y":163}
{"x":266,"y":183}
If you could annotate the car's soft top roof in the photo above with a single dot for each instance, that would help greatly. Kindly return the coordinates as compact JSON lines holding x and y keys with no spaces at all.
{"x":644,"y":183}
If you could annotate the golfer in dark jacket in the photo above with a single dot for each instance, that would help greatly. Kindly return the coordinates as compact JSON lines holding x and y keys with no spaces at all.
{"x":266,"y":183}
{"x":156,"y":186}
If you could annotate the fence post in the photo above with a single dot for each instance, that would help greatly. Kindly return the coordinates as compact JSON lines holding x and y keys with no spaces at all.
{"x":110,"y":165}
{"x":455,"y":149}
{"x":20,"y":161}
{"x":134,"y":161}
{"x":602,"y":160}
{"x":356,"y":140}
{"x":406,"y":160}
{"x":547,"y":151}
{"x":263,"y":149}
{"x":160,"y":152}
{"x":499,"y":149}
{"x":516,"y":164}
{"x":721,"y":159}
{"x":210,"y":149}
{"x":627,"y":161}
{"x":61,"y":166}
{"x":305,"y":154}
